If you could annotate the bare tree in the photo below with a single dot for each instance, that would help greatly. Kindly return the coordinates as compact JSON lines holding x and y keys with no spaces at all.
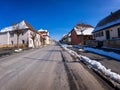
{"x":33,"y":36}
{"x":18,"y":33}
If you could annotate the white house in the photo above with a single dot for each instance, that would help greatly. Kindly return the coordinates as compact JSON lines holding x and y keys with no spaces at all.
{"x":8,"y":36}
{"x":108,"y":30}
{"x":46,"y":36}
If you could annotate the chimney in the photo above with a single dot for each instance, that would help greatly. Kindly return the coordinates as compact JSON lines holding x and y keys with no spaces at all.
{"x":13,"y":24}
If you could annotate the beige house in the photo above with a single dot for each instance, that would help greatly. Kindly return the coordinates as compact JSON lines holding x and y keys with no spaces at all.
{"x":46,"y":36}
{"x":108,"y":30}
{"x":28,"y":37}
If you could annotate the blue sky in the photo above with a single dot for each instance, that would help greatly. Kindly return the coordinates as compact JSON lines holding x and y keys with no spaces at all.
{"x":57,"y":16}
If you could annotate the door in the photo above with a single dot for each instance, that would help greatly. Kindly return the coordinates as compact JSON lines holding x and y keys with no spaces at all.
{"x":107,"y":35}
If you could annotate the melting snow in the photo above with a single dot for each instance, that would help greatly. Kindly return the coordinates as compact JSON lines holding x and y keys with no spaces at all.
{"x":95,"y":64}
{"x":110,"y":54}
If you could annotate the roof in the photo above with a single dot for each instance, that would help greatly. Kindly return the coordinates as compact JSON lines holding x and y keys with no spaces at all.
{"x":43,"y":32}
{"x":84,"y":25}
{"x":23,"y":25}
{"x":86,"y":29}
{"x":110,"y":20}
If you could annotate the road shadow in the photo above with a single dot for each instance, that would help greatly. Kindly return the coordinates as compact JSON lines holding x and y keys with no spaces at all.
{"x":45,"y":60}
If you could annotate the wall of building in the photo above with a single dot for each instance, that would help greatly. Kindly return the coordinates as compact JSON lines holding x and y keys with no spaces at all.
{"x":79,"y":39}
{"x":113,"y":33}
{"x":30,"y":41}
{"x":47,"y":40}
{"x":23,"y":38}
{"x":75,"y":40}
{"x":4,"y":38}
{"x":98,"y":37}
{"x":10,"y":39}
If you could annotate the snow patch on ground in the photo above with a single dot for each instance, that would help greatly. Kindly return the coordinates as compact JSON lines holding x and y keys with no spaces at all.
{"x":100,"y":68}
{"x":18,"y":50}
{"x":95,"y":64}
{"x":101,"y":52}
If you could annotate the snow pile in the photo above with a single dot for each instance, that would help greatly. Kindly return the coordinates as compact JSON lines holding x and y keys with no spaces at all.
{"x":100,"y":68}
{"x":70,"y":51}
{"x":110,"y":54}
{"x":18,"y":50}
{"x":77,"y":46}
{"x":95,"y":65}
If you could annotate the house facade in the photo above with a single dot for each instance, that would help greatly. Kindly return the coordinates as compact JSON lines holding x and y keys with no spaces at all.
{"x":81,"y":33}
{"x":66,"y":38}
{"x":46,"y":38}
{"x":9,"y":38}
{"x":78,"y":35}
{"x":108,"y":30}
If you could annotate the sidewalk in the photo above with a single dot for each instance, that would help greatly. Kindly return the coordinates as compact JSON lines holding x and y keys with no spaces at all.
{"x":9,"y":51}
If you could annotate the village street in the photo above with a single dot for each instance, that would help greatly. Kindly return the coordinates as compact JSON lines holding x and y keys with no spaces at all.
{"x":47,"y":68}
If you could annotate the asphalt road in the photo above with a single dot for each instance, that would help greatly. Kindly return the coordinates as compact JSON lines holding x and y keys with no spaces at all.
{"x":47,"y":68}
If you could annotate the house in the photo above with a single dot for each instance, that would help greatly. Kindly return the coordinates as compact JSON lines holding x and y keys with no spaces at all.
{"x":66,"y":38}
{"x":78,"y":35}
{"x":81,"y":33}
{"x":108,"y":30}
{"x":28,"y":36}
{"x":45,"y":35}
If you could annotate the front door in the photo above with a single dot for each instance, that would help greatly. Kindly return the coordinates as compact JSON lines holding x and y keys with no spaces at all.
{"x":107,"y":35}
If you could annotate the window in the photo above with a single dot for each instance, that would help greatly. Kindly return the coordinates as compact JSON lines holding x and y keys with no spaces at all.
{"x":11,"y":34}
{"x":99,"y":34}
{"x":102,"y":33}
{"x":12,"y":42}
{"x":118,"y":32}
{"x":23,"y":41}
{"x":107,"y":34}
{"x":23,"y":33}
{"x":94,"y":35}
